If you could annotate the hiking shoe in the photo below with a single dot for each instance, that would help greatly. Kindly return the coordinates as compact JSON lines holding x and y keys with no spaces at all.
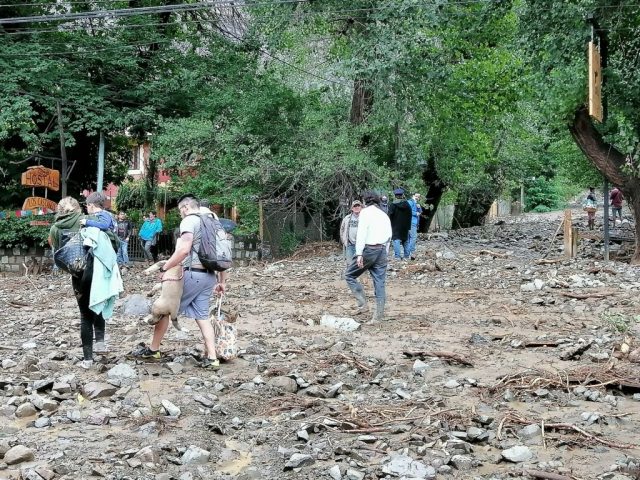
{"x":86,"y":364}
{"x":100,"y":348}
{"x":211,"y":363}
{"x":146,"y":353}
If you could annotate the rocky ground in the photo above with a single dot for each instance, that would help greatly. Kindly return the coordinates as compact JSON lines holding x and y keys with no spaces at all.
{"x":493,"y":364}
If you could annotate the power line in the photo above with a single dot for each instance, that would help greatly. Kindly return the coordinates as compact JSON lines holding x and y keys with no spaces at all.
{"x":126,"y":12}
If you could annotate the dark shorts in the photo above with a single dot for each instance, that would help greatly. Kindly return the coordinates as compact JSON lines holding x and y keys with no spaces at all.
{"x":196,"y":295}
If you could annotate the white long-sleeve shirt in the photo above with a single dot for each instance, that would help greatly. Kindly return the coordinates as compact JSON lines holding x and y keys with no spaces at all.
{"x":374,"y":228}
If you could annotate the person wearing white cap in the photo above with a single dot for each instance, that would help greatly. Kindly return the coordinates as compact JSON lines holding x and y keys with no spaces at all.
{"x":349,"y":229}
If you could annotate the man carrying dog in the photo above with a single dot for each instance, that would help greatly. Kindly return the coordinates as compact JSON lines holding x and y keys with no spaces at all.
{"x":199,"y":284}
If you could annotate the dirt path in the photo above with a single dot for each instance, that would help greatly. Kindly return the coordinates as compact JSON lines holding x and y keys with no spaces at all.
{"x":307,"y":401}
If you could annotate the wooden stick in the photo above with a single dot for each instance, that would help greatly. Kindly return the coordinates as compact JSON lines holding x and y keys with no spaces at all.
{"x":553,"y":238}
{"x":583,"y":296}
{"x":440,"y":354}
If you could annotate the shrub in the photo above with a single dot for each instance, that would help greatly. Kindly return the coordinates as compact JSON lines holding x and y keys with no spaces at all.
{"x":19,"y":233}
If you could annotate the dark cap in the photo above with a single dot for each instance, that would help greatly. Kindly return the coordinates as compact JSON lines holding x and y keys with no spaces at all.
{"x":356,"y":203}
{"x":398,"y":191}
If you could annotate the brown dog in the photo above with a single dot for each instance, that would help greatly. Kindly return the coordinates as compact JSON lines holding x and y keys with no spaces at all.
{"x":170,"y":292}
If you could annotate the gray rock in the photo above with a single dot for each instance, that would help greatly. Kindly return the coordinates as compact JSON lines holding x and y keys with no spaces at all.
{"x":74,"y":415}
{"x":353,"y":474}
{"x":636,"y":397}
{"x":285,"y":384}
{"x":462,"y":462}
{"x":452,"y":383}
{"x":530,"y":432}
{"x":42,"y":422}
{"x":25,"y":410}
{"x":172,"y":410}
{"x":419,"y":367}
{"x":339,"y":323}
{"x":334,"y":473}
{"x":405,"y":466}
{"x":18,"y":454}
{"x":8,"y":363}
{"x":303,"y":435}
{"x":135,"y":305}
{"x":195,"y":456}
{"x":475,"y":433}
{"x":147,"y":455}
{"x":204,"y":401}
{"x":98,"y":390}
{"x":517,"y":454}
{"x":122,"y":374}
{"x":298,"y":460}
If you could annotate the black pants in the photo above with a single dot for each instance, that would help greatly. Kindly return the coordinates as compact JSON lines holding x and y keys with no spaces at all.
{"x":154,"y":252}
{"x":90,"y":322}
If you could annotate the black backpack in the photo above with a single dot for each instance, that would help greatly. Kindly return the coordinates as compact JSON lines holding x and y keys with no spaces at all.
{"x":215,"y":248}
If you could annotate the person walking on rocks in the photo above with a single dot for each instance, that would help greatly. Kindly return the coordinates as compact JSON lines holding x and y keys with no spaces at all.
{"x":591,"y":206}
{"x":384,"y":204}
{"x":400,"y":216}
{"x":349,"y":229}
{"x":416,"y":211}
{"x":199,"y":284}
{"x":372,"y":243}
{"x":149,"y":232}
{"x":616,"y":199}
{"x":123,"y":230}
{"x":102,"y":256}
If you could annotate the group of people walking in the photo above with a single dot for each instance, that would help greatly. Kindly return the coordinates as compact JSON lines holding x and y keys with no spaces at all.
{"x":367,"y":234}
{"x":590,"y":205}
{"x":97,"y":285}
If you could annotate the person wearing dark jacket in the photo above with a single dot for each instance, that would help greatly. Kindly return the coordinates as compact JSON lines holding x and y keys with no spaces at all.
{"x":400,"y":216}
{"x":68,"y":220}
{"x":123,"y":230}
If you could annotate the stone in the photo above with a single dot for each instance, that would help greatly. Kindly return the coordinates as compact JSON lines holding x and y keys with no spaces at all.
{"x":517,"y":454}
{"x":303,"y":435}
{"x":204,"y":401}
{"x":462,"y":462}
{"x":419,"y":367}
{"x":339,"y":323}
{"x":475,"y":433}
{"x":405,"y":466}
{"x":353,"y":474}
{"x":298,"y":460}
{"x":452,"y":383}
{"x":334,"y":473}
{"x":18,"y":454}
{"x":530,"y":432}
{"x":74,"y":415}
{"x":25,"y":410}
{"x":172,"y":410}
{"x":195,"y":456}
{"x":8,"y":363}
{"x":147,"y":455}
{"x":98,"y":390}
{"x":135,"y":305}
{"x":122,"y":374}
{"x":42,"y":422}
{"x":285,"y":384}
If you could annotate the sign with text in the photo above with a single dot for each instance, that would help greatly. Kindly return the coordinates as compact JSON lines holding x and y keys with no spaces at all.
{"x":36,"y":203}
{"x":41,"y":177}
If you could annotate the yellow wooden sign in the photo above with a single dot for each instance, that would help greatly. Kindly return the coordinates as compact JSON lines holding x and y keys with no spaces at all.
{"x":41,"y":177}
{"x":36,"y":203}
{"x":595,"y":83}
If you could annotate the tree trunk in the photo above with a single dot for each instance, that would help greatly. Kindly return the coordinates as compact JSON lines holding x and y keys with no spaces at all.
{"x":361,"y":101}
{"x":610,"y":162}
{"x":435,"y":189}
{"x":473,"y":205}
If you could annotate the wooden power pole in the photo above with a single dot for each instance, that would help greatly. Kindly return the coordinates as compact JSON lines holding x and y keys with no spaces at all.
{"x":63,"y":152}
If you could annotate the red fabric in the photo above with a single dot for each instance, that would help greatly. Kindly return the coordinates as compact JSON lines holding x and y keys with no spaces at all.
{"x":616,"y":198}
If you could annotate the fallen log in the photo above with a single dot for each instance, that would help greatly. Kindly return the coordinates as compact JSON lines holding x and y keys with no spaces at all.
{"x":584,"y":296}
{"x":446,"y":356}
{"x":550,"y":261}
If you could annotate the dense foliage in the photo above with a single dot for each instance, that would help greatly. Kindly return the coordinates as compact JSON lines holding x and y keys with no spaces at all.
{"x":310,"y":103}
{"x":19,"y":233}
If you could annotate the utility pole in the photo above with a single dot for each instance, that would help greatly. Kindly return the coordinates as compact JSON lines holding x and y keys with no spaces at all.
{"x":100,"y":163}
{"x":63,"y":152}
